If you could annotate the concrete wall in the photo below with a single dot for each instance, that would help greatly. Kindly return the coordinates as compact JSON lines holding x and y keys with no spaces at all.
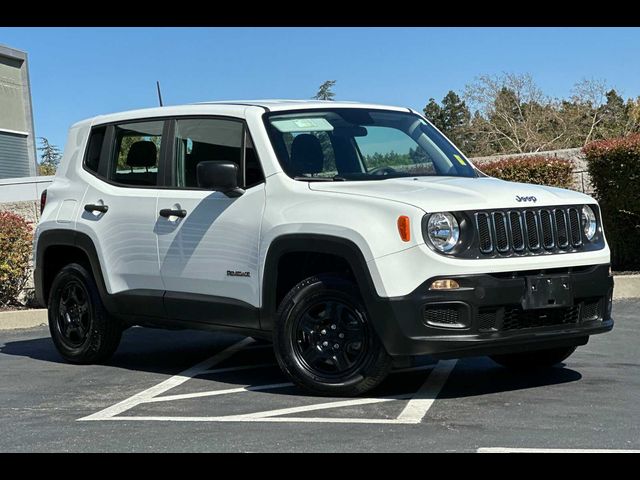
{"x":22,"y":195}
{"x":582,"y":181}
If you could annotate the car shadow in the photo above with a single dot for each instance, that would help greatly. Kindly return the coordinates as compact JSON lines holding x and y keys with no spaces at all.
{"x":475,"y":376}
{"x":170,"y":352}
{"x":141,"y":349}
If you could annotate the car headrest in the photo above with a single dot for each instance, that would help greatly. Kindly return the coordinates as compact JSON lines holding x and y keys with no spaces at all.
{"x":142,"y":154}
{"x":306,"y":154}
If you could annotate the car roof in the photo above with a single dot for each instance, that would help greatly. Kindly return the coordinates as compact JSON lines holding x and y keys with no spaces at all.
{"x":231,"y":107}
{"x":292,"y":104}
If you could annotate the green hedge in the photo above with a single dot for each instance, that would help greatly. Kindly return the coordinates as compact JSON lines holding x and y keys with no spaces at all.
{"x":537,"y":169}
{"x":614,"y":167}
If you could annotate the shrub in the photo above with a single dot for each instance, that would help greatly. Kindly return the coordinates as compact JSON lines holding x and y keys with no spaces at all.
{"x":539,"y":169}
{"x":15,"y":254}
{"x":614,"y":167}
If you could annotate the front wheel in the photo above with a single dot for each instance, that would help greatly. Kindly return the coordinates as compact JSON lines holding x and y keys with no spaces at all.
{"x":538,"y":359}
{"x":324,"y":341}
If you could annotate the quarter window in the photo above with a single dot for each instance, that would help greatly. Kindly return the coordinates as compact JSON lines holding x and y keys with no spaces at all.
{"x":94,"y":148}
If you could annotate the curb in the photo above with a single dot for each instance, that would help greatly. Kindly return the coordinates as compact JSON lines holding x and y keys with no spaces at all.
{"x":16,"y":319}
{"x":626,"y":287}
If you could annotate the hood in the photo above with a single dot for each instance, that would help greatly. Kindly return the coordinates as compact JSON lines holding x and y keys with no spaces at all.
{"x":434,"y":194}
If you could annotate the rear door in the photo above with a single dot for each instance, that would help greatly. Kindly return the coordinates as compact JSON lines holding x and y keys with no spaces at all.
{"x":209,"y":256}
{"x":118,"y":212}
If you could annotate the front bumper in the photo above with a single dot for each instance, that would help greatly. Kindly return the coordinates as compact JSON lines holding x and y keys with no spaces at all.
{"x":496,"y":313}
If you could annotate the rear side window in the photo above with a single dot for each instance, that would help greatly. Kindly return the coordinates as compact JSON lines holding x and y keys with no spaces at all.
{"x":94,"y":147}
{"x":137,"y":153}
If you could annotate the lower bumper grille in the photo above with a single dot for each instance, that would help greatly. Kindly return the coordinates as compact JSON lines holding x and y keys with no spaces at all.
{"x":517,"y":319}
{"x":450,"y":316}
{"x":514,"y":318}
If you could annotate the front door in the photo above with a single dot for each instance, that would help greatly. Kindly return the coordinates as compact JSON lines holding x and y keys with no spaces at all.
{"x":207,"y":241}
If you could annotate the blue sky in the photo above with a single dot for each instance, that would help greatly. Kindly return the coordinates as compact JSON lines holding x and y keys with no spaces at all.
{"x":80,"y":72}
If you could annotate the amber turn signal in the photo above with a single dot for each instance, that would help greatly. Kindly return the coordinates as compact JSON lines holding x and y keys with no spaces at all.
{"x":404,"y":228}
{"x":446,"y":284}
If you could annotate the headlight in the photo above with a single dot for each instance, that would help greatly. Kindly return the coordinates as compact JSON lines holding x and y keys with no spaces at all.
{"x":589,"y":223}
{"x":443,"y":231}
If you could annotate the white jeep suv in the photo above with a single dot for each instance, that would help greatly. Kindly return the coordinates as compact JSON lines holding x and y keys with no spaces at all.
{"x":349,"y":234}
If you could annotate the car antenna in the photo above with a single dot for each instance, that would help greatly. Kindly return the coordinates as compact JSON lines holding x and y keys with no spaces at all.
{"x":159,"y":94}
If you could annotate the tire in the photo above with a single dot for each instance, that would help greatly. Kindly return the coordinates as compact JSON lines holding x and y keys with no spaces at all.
{"x":80,"y":327}
{"x":539,"y":359}
{"x":346,"y":360}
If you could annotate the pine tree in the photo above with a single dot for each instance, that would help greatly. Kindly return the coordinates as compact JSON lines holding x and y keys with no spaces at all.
{"x":452,"y":118}
{"x":324,"y":92}
{"x":49,"y":158}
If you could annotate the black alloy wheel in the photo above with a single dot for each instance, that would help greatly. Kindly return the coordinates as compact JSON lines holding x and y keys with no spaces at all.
{"x":73,"y":314}
{"x":331,"y":339}
{"x":323,"y":339}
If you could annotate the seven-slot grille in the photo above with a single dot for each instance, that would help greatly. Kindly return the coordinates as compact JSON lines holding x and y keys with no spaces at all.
{"x":533,"y":230}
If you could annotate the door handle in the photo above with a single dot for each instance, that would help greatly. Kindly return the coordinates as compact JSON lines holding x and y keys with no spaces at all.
{"x":91,"y":207}
{"x":169,"y":212}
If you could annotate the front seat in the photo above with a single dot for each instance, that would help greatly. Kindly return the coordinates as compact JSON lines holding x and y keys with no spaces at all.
{"x":306,"y":155}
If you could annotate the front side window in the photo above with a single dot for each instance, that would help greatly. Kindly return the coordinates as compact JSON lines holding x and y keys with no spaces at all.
{"x":361,"y":144}
{"x":205,"y":139}
{"x":137,"y":152}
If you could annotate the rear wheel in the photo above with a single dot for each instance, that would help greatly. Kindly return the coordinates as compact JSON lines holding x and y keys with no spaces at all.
{"x":538,"y":359}
{"x":80,"y":327}
{"x":324,"y":341}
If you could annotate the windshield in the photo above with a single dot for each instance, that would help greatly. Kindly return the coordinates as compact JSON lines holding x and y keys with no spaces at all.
{"x":361,"y":144}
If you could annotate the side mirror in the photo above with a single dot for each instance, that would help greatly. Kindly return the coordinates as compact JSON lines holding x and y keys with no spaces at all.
{"x":219,"y":176}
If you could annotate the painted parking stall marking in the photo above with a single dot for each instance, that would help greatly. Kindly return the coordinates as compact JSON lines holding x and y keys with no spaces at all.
{"x":552,"y":450}
{"x":418,"y":402}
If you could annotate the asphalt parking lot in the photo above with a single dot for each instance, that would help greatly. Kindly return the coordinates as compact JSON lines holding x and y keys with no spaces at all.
{"x":200,"y":391}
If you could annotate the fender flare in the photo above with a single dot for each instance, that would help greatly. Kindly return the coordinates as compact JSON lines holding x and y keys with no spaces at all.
{"x":312,"y":243}
{"x":68,"y":238}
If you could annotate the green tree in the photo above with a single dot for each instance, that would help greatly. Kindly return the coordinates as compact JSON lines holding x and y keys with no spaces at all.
{"x":49,"y":157}
{"x":452,"y":118}
{"x":324,"y":92}
{"x":456,"y":117}
{"x":616,"y":119}
{"x":433,"y":112}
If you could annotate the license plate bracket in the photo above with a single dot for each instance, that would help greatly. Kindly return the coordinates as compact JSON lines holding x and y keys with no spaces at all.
{"x":548,"y":291}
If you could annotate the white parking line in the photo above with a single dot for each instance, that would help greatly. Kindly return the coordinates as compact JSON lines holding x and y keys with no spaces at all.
{"x":259,"y":346}
{"x":168,"y":384}
{"x":319,"y":406}
{"x":417,"y":368}
{"x":422,"y":401}
{"x":234,"y":369}
{"x":213,"y":393}
{"x":551,"y":450}
{"x":231,"y":418}
{"x":418,"y":406}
